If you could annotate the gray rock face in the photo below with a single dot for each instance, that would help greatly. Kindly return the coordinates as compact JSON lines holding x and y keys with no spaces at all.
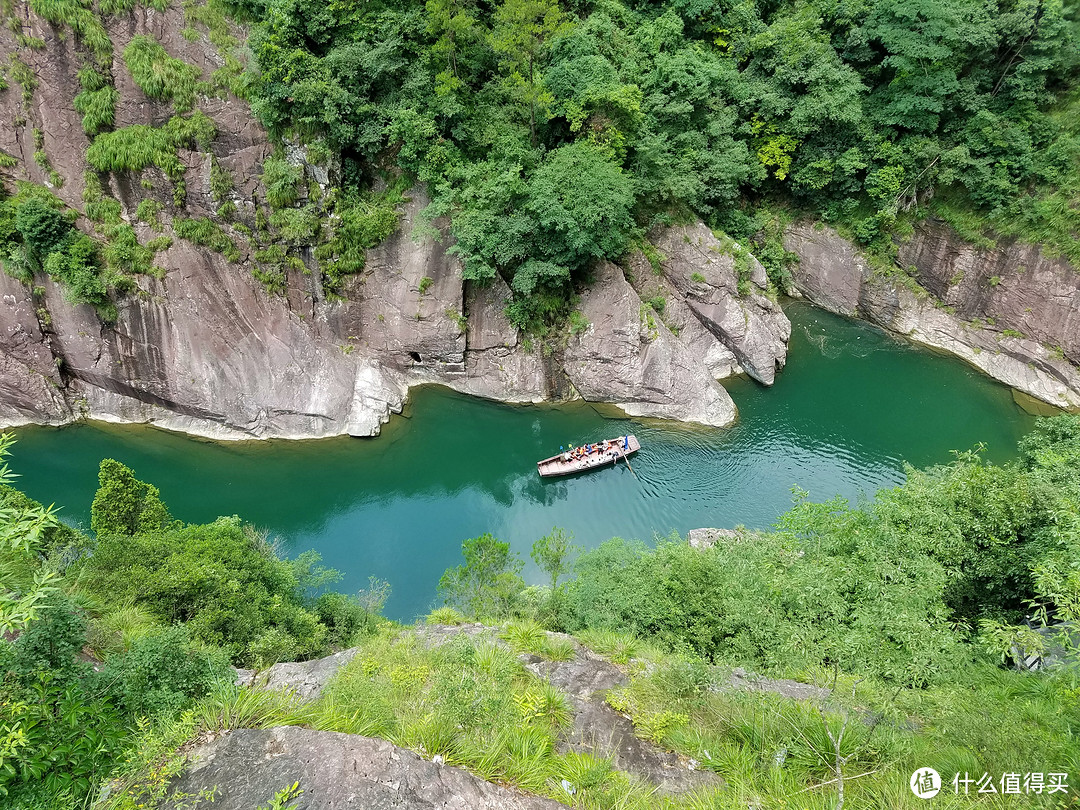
{"x":796,"y":690}
{"x":337,"y":771}
{"x":703,"y":270}
{"x":627,"y":356}
{"x":707,"y":538}
{"x":1013,"y":283}
{"x":306,"y":678}
{"x":832,"y":274}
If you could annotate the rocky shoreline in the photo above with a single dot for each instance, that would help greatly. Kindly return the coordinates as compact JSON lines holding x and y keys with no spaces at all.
{"x":207,"y":352}
{"x":1009,"y":311}
{"x":205,"y":349}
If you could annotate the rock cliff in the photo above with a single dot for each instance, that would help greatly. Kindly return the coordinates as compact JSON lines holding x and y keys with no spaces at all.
{"x":1009,"y":311}
{"x":205,"y":348}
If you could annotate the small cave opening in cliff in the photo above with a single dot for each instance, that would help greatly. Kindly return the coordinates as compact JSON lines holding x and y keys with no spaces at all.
{"x":416,"y":357}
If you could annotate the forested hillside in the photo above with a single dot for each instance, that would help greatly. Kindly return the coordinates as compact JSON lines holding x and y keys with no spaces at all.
{"x":554,"y":133}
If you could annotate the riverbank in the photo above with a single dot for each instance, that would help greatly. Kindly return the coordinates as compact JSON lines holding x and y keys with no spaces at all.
{"x":850,"y":408}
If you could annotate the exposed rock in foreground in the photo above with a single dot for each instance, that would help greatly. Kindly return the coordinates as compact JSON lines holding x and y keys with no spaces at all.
{"x":601,"y":731}
{"x":306,"y":678}
{"x":1019,"y":323}
{"x":585,"y":679}
{"x":337,"y":771}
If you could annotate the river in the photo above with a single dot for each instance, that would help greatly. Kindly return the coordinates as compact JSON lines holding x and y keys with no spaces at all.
{"x":852,"y":406}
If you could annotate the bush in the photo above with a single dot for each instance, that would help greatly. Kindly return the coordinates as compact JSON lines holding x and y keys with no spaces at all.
{"x":43,"y":226}
{"x":76,"y":265}
{"x":136,"y":147}
{"x":202,"y":231}
{"x":221,"y":579}
{"x":486,"y":585}
{"x":363,"y":222}
{"x":56,"y":729}
{"x":282,"y":181}
{"x":124,"y":505}
{"x":96,"y":101}
{"x":159,"y":75}
{"x":163,"y":672}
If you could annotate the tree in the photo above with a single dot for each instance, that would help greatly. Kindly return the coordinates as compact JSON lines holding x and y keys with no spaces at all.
{"x":454,"y":23}
{"x":25,"y":584}
{"x":42,"y":227}
{"x":486,"y":585}
{"x":551,"y":552}
{"x":521,"y":35}
{"x":581,"y":199}
{"x":125,"y":505}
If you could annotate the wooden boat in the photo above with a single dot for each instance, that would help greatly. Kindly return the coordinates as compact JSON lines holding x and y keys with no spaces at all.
{"x":589,"y":456}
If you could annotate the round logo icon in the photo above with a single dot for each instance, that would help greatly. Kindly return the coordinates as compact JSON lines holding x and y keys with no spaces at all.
{"x":925,"y":783}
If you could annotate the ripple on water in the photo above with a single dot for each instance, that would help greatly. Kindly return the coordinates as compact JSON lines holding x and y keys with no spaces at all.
{"x":850,"y":405}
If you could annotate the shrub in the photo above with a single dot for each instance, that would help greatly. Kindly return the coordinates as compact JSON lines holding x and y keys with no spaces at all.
{"x":148,"y":211}
{"x":202,"y":231}
{"x":136,"y":147}
{"x":282,"y":181}
{"x":163,"y":672}
{"x":82,"y":20}
{"x":123,"y":505}
{"x":57,"y":731}
{"x":362,"y":223}
{"x":297,"y":226}
{"x":96,"y":101}
{"x":76,"y":265}
{"x":486,"y":585}
{"x":159,"y":75}
{"x":43,"y":226}
{"x":124,"y":254}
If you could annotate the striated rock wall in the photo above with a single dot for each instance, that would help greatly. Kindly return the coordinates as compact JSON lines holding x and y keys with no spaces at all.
{"x":627,"y":356}
{"x":734,"y":331}
{"x":1009,"y":311}
{"x":207,"y":350}
{"x":1013,"y":284}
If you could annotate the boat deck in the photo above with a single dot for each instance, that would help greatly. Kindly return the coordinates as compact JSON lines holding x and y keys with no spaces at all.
{"x":604,"y":453}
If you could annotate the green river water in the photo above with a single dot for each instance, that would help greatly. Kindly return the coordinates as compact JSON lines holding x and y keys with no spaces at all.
{"x":851,"y":407}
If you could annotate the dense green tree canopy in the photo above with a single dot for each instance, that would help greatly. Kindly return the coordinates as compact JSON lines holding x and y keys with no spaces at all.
{"x":525,"y":116}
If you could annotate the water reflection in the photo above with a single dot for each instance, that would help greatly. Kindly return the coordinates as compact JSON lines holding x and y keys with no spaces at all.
{"x":851,"y":404}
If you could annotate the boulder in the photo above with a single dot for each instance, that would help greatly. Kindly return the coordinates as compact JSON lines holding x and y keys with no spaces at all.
{"x":704,"y":271}
{"x":707,"y":538}
{"x":306,"y":678}
{"x":247,"y":767}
